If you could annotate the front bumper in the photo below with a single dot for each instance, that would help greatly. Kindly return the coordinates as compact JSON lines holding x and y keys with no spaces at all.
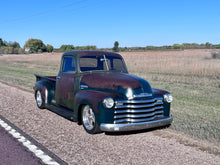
{"x":135,"y":126}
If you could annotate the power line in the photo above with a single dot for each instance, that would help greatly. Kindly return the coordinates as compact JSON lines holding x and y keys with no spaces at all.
{"x":43,"y":12}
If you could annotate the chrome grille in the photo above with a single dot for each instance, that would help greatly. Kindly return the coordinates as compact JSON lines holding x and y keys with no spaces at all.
{"x":134,"y":111}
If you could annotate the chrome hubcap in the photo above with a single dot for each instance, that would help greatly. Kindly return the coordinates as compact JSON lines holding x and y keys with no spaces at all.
{"x":39,"y":98}
{"x":88,"y":118}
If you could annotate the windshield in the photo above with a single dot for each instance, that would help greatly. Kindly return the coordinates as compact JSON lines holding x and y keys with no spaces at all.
{"x":102,"y":63}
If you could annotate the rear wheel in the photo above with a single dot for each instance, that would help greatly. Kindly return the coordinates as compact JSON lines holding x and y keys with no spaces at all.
{"x":89,"y":121}
{"x":39,"y":99}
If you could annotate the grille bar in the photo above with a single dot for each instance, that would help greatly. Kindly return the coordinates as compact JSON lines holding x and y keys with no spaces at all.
{"x":137,"y":101}
{"x":138,"y":105}
{"x":134,"y":111}
{"x":135,"y":106}
{"x":128,"y":120}
{"x":138,"y":110}
{"x":138,"y":115}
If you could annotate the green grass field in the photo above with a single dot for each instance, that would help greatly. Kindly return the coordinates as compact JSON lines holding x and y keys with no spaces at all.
{"x":192,"y":76}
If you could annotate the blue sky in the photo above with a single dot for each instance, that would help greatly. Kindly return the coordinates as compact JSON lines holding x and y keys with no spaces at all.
{"x":102,"y":22}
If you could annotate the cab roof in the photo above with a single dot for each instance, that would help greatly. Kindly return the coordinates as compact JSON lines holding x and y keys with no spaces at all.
{"x":79,"y":53}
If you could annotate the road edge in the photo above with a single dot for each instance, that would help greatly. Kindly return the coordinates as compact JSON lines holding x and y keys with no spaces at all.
{"x":41,"y":152}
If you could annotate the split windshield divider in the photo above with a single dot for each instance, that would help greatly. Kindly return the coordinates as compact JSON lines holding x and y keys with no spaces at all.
{"x":105,"y":59}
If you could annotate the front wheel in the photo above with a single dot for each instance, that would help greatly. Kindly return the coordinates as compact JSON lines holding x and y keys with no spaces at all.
{"x":89,"y":121}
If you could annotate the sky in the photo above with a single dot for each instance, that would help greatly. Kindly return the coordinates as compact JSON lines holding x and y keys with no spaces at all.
{"x":102,"y":22}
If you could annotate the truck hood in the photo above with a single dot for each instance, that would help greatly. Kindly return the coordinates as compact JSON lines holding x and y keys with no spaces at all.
{"x":116,"y":82}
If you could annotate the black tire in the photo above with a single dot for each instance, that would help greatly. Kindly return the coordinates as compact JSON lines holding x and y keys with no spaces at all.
{"x":89,"y":121}
{"x":39,"y":99}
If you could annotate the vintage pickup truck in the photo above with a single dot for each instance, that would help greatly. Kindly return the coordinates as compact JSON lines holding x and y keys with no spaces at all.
{"x":94,"y":89}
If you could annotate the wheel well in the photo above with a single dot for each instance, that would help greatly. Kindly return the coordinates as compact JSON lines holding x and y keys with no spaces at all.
{"x":35,"y":91}
{"x":80,"y":114}
{"x":36,"y":88}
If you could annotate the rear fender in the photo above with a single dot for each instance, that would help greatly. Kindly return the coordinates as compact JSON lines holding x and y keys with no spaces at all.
{"x":46,"y":90}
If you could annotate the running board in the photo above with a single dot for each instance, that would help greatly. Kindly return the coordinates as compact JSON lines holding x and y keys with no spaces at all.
{"x":61,"y":111}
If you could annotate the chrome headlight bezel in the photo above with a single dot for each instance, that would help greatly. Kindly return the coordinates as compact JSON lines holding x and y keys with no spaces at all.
{"x":108,"y":102}
{"x":168,"y":97}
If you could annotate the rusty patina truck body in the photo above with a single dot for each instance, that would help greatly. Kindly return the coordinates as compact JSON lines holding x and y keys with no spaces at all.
{"x":94,"y":88}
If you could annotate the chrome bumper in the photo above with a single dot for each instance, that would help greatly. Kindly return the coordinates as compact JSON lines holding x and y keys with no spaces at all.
{"x":136,"y":126}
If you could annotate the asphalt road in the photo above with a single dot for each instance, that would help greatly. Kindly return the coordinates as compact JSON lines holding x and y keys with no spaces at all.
{"x":13,"y":153}
{"x":71,"y":143}
{"x":18,"y":148}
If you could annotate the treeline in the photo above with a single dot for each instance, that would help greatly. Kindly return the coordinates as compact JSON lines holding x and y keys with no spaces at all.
{"x":65,"y":48}
{"x":37,"y":46}
{"x":10,"y":47}
{"x":206,"y":45}
{"x":183,"y":46}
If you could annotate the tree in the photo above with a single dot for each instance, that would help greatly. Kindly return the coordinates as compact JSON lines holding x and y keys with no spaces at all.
{"x":1,"y":42}
{"x":115,"y":48}
{"x":178,"y":46}
{"x":35,"y":45}
{"x":208,"y":45}
{"x":49,"y":48}
{"x":14,"y":44}
{"x":65,"y":48}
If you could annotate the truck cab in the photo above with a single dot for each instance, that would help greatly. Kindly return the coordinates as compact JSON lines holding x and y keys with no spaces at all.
{"x":95,"y":89}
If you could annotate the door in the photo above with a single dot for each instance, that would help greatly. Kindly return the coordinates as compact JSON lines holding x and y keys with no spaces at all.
{"x":64,"y":93}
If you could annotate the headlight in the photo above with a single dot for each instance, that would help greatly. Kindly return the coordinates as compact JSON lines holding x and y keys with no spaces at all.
{"x":168,"y":98}
{"x":108,"y":102}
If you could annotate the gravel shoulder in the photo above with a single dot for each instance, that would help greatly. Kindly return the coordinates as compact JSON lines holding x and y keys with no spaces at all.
{"x":72,"y":144}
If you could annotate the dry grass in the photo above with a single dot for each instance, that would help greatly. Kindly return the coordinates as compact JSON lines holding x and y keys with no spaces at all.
{"x":177,"y":65}
{"x":192,"y":76}
{"x":20,"y":69}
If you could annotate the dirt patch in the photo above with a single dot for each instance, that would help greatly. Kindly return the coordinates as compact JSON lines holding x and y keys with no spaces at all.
{"x":203,"y":145}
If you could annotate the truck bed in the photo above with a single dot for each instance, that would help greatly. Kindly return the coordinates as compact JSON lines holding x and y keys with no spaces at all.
{"x":51,"y":78}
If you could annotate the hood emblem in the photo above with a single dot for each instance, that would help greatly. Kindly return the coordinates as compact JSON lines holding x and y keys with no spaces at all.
{"x":143,"y":95}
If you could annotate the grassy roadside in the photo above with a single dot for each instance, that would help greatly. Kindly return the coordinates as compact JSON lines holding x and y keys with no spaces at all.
{"x":20,"y":69}
{"x":192,"y":79}
{"x":196,"y":110}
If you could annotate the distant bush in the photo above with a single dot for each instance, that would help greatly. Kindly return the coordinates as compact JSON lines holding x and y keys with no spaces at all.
{"x":216,"y":55}
{"x":13,"y":44}
{"x":217,"y":46}
{"x":11,"y":50}
{"x":66,"y":48}
{"x":20,"y":51}
{"x":89,"y":47}
{"x":49,"y":48}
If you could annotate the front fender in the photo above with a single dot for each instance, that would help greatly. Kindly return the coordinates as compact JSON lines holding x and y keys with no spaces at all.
{"x":161,"y":93}
{"x":94,"y":99}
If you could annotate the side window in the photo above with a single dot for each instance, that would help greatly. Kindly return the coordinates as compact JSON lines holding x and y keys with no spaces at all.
{"x":69,"y":65}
